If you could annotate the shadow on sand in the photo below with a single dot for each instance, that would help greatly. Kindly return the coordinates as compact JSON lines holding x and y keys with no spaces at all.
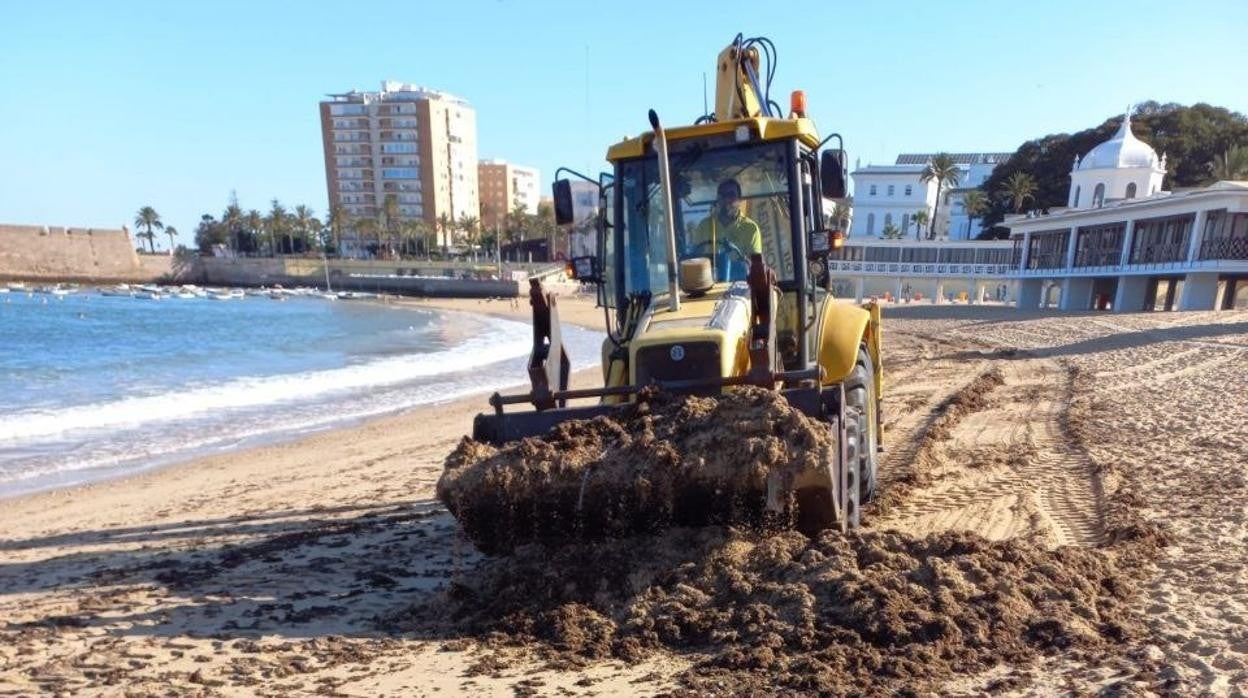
{"x":295,"y":573}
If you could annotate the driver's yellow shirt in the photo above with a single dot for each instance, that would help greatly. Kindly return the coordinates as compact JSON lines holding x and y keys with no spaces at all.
{"x":742,"y":232}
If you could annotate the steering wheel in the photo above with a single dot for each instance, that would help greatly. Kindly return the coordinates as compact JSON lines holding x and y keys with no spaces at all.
{"x":727,"y":245}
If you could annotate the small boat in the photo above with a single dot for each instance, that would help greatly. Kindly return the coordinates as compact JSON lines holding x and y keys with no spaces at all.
{"x":4,"y":289}
{"x":17,"y":286}
{"x":355,"y":295}
{"x":220,"y":296}
{"x":122,"y":290}
{"x":186,"y":295}
{"x":62,"y":291}
{"x":236,"y":293}
{"x":329,"y":296}
{"x":149,"y":295}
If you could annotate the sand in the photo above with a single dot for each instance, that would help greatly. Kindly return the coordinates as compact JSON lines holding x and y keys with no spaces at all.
{"x":1112,"y":445}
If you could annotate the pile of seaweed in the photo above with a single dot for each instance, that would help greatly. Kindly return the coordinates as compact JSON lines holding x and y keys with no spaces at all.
{"x":666,"y":461}
{"x":839,"y":614}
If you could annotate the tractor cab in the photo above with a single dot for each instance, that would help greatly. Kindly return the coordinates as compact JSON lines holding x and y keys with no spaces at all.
{"x":738,"y":188}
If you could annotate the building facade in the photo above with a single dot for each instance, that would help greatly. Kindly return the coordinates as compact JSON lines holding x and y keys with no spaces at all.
{"x":1124,"y":244}
{"x":414,"y":144}
{"x":937,"y":270}
{"x":890,"y":195}
{"x":505,"y":186}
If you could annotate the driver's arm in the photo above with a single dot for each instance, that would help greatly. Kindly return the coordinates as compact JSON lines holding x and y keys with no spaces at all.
{"x":752,"y":239}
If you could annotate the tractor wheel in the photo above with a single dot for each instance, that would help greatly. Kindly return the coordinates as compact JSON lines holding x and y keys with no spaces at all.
{"x":860,"y":394}
{"x":853,"y":468}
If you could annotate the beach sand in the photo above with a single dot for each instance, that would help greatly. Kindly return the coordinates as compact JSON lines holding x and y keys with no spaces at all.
{"x":265,"y":572}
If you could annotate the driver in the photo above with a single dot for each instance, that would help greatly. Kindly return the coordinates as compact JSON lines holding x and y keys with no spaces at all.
{"x":728,"y":223}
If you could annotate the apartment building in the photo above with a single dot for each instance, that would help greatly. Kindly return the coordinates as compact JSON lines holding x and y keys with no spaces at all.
{"x":503,"y":187}
{"x":416,"y":144}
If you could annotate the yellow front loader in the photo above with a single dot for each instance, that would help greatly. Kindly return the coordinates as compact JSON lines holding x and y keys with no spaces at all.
{"x":711,"y":265}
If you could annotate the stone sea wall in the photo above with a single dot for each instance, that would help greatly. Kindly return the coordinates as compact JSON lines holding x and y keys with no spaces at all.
{"x":31,"y":252}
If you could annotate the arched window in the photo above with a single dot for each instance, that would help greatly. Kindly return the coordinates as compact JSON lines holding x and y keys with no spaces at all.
{"x":905,"y":222}
{"x":1131,"y":190}
{"x":1098,"y":195}
{"x":870,"y":224}
{"x":1075,"y":203}
{"x":888,"y":219}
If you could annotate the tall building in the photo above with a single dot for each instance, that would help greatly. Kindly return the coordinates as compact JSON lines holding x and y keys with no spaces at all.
{"x":415,"y":144}
{"x":891,"y":194}
{"x":503,"y":187}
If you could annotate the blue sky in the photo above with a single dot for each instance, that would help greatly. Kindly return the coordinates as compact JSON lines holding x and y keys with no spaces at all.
{"x":112,"y":106}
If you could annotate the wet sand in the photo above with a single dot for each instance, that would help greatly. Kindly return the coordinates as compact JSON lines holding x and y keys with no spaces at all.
{"x":275,"y":571}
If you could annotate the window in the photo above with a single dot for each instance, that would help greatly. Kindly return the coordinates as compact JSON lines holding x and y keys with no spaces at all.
{"x":909,"y":190}
{"x":872,"y":190}
{"x":890,"y":189}
{"x":1098,"y":196}
{"x":1075,"y":203}
{"x":888,"y":219}
{"x":871,"y":223}
{"x":1131,"y":190}
{"x":905,"y":222}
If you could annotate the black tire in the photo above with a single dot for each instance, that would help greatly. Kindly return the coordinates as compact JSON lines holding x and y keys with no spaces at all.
{"x":860,"y":395}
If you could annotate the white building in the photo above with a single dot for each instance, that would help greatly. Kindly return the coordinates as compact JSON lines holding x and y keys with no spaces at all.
{"x":891,"y":194}
{"x":1124,"y":244}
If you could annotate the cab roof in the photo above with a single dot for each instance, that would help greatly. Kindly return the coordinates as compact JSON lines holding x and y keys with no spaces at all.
{"x":762,"y":128}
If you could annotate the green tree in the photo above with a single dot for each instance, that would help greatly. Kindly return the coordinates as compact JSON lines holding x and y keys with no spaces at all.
{"x":339,"y":224}
{"x":277,"y":223}
{"x":368,"y":231}
{"x":470,"y":226}
{"x":944,"y":171}
{"x":1230,"y":165}
{"x":390,"y":219}
{"x":839,"y":218}
{"x":891,"y":232}
{"x":254,"y":220}
{"x":210,"y":233}
{"x":302,"y":224}
{"x":446,"y":225}
{"x":976,"y":203}
{"x":519,"y":223}
{"x":172,"y":232}
{"x":919,"y":218}
{"x":148,"y":221}
{"x":1019,"y":189}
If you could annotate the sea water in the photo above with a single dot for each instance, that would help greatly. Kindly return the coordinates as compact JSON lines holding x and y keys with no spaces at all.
{"x":94,"y":387}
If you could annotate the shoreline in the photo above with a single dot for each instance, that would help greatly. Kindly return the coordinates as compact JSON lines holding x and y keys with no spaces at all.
{"x":263,"y":446}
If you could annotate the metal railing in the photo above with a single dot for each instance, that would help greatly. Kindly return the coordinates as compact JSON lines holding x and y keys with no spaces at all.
{"x":1153,"y":254}
{"x":1226,"y":248}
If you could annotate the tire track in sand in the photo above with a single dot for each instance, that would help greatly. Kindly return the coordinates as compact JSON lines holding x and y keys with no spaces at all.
{"x":1010,"y":469}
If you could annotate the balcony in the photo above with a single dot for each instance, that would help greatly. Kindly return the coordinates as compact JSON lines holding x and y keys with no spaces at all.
{"x":1159,"y":253}
{"x":1097,"y":258}
{"x":1226,"y":248}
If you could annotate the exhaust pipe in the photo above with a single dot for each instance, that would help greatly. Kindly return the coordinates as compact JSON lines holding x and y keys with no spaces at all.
{"x":665,"y":182}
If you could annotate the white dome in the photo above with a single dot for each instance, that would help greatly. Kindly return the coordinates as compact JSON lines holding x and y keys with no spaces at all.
{"x":1123,"y":150}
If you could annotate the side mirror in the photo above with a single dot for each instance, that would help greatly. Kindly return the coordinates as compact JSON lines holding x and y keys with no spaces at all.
{"x":832,"y":174}
{"x":564,"y":211}
{"x":585,"y":269}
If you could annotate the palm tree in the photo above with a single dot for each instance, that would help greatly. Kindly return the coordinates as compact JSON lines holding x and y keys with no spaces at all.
{"x":302,"y":223}
{"x":390,"y":219}
{"x":148,"y":220}
{"x":839,"y":218}
{"x":445,"y":224}
{"x":1231,"y":165}
{"x":232,"y":221}
{"x":975,"y":202}
{"x":339,"y":222}
{"x":1019,"y":187}
{"x":254,"y":221}
{"x":471,"y":226}
{"x":920,"y":219}
{"x":943,"y":170}
{"x":366,"y":228}
{"x":891,"y":232}
{"x":172,"y":232}
{"x":277,"y":223}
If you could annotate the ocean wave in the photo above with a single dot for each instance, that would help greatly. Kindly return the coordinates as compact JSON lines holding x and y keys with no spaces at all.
{"x":502,"y":340}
